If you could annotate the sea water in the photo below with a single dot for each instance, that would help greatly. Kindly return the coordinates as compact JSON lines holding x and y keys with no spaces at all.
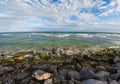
{"x":40,"y":40}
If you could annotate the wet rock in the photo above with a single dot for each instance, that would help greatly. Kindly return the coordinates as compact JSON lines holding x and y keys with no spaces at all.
{"x":114,"y":82}
{"x":22,"y":75}
{"x":87,"y":74}
{"x":102,"y":75}
{"x":93,"y":81}
{"x":48,"y":81}
{"x":41,"y":75}
{"x":74,"y":74}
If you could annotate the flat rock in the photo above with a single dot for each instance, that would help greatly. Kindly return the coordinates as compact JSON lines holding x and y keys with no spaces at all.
{"x":86,"y":74}
{"x":41,"y":75}
{"x":93,"y":81}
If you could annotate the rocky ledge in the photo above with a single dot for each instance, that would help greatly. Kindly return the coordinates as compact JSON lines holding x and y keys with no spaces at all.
{"x":61,"y":66}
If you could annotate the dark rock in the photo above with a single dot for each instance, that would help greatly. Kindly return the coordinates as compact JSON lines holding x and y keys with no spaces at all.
{"x":63,"y":74}
{"x":93,"y":81}
{"x":114,"y":82}
{"x":9,"y":69}
{"x":76,"y":60}
{"x":74,"y":74}
{"x":43,"y":67}
{"x":102,"y":75}
{"x":78,"y":67}
{"x":87,"y":74}
{"x":112,"y":70}
{"x":6,"y":69}
{"x":70,"y":82}
{"x":2,"y":71}
{"x":22,"y":75}
{"x":8,"y":80}
{"x":115,"y":76}
{"x":118,"y":67}
{"x":48,"y":81}
{"x":26,"y":80}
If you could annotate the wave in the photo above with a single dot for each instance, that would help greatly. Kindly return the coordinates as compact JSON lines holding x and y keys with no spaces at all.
{"x":6,"y":34}
{"x":84,"y":35}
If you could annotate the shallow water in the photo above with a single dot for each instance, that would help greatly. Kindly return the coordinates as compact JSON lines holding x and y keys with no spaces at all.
{"x":38,"y":40}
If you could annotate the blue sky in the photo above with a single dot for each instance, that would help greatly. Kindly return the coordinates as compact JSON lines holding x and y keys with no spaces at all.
{"x":60,"y":15}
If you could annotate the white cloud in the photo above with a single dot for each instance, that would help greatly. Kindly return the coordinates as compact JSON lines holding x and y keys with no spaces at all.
{"x":18,"y":12}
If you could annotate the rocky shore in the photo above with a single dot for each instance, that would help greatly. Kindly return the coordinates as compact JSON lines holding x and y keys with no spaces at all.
{"x":61,"y":66}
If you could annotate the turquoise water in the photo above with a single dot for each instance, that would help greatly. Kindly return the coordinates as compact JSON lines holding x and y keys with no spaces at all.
{"x":38,"y":40}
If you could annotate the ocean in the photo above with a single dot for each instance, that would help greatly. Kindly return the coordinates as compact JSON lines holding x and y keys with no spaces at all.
{"x":40,"y":40}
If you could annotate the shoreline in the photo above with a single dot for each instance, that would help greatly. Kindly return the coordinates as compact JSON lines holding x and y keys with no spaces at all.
{"x":61,"y":66}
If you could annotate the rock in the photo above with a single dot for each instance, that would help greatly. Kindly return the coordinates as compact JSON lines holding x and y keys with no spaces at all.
{"x":22,"y":75}
{"x":43,"y":67}
{"x":87,"y":74}
{"x":28,"y":57}
{"x":74,"y":74}
{"x":63,"y":74}
{"x":6,"y":69}
{"x":23,"y":53}
{"x":100,"y":68}
{"x":118,"y":67}
{"x":76,"y":60}
{"x":26,"y":80}
{"x":8,"y":80}
{"x":115,"y":59}
{"x":48,"y":81}
{"x":41,"y":75}
{"x":78,"y":67}
{"x":9,"y":69}
{"x":93,"y":81}
{"x":102,"y":75}
{"x":1,"y":58}
{"x":115,"y":76}
{"x":2,"y":71}
{"x":114,"y":82}
{"x":112,"y":70}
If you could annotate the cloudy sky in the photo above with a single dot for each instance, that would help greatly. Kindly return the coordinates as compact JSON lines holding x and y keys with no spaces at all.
{"x":60,"y":15}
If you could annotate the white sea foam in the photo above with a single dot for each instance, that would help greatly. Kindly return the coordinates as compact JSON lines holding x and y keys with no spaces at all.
{"x":6,"y":34}
{"x":60,"y":35}
{"x":84,"y":35}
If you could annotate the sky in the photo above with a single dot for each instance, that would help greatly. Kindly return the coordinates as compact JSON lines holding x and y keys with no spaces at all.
{"x":60,"y":15}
